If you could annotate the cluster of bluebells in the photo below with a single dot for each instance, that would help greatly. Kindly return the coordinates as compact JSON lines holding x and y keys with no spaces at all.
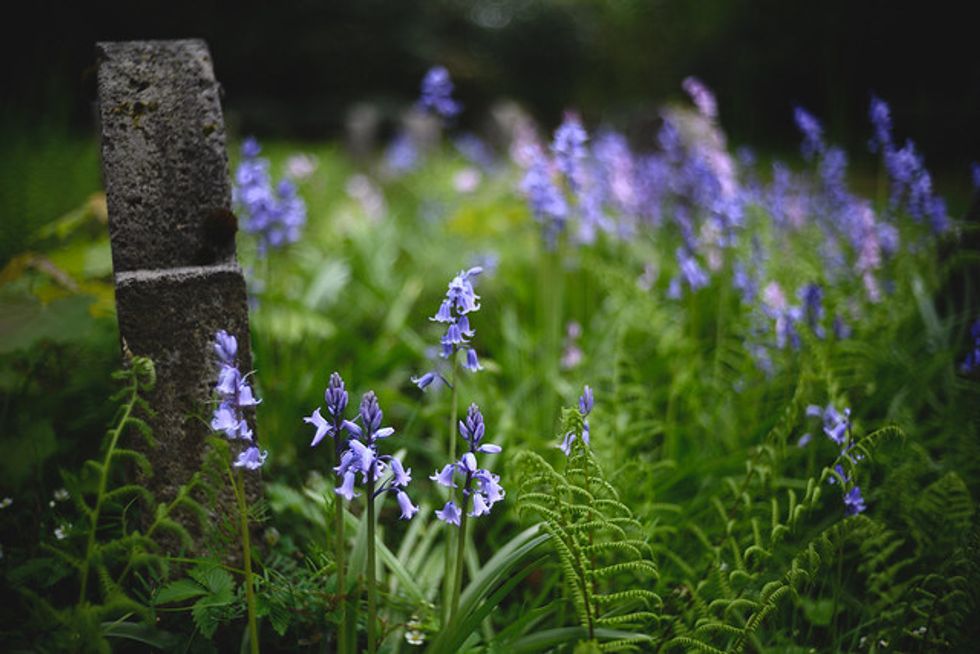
{"x":837,"y":427}
{"x":842,"y":215}
{"x":234,"y":395}
{"x":972,"y":361}
{"x":357,"y":447}
{"x":585,"y":405}
{"x":693,"y":187}
{"x":460,"y":301}
{"x":275,"y":214}
{"x":911,"y":183}
{"x":437,"y":92}
{"x":481,"y":489}
{"x":545,"y":197}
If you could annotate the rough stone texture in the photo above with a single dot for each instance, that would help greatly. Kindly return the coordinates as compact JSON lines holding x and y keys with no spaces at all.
{"x":163,"y":155}
{"x":173,"y":238}
{"x":171,"y":316}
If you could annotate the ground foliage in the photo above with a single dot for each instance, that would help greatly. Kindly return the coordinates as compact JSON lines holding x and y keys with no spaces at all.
{"x":696,"y":519}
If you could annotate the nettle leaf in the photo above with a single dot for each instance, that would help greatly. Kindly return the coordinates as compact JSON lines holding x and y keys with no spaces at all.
{"x":214,"y":587}
{"x":273,"y":606}
{"x":215,"y":608}
{"x":216,"y":580}
{"x":179,"y":591}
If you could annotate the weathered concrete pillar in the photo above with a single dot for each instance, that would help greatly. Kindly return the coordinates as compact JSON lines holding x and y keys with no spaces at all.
{"x":173,"y":235}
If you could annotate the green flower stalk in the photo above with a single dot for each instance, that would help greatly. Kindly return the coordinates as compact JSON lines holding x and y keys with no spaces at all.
{"x":361,"y":457}
{"x":235,"y":394}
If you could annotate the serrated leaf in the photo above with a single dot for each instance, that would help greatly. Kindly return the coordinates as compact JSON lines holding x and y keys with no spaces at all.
{"x":179,"y":591}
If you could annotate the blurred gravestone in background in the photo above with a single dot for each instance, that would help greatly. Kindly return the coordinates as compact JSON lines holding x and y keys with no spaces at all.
{"x":173,"y":235}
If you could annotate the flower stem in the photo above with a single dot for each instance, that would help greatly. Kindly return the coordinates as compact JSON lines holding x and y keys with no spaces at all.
{"x":341,"y":571}
{"x":371,"y":585}
{"x":460,"y":552}
{"x":253,"y":630}
{"x":449,"y":575}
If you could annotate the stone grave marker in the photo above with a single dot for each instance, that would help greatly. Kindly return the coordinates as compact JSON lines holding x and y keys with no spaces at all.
{"x":173,"y":235}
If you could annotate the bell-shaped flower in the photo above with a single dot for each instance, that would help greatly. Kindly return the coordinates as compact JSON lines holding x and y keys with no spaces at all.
{"x":251,"y":458}
{"x":346,"y":489}
{"x":449,"y":514}
{"x":225,"y":419}
{"x":405,"y":504}
{"x":489,"y":486}
{"x":444,"y":314}
{"x":480,"y":506}
{"x":472,"y":362}
{"x":444,"y":477}
{"x":587,"y":401}
{"x":425,"y":380}
{"x":226,"y":347}
{"x":322,"y":426}
{"x":402,"y":477}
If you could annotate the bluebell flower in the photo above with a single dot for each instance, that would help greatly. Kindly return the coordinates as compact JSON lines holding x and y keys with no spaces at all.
{"x":881,"y":123}
{"x":690,"y":272}
{"x":234,"y":395}
{"x":336,"y":400}
{"x":547,"y":202}
{"x":853,"y":501}
{"x":619,"y":172}
{"x":836,"y":424}
{"x":912,"y":186}
{"x":251,"y":458}
{"x":405,"y":504}
{"x":669,"y":140}
{"x":586,"y":402}
{"x":449,"y":514}
{"x":744,"y":283}
{"x":569,"y":150}
{"x":402,"y":154}
{"x":424,"y":381}
{"x":437,"y":91}
{"x":472,"y":362}
{"x":460,"y":300}
{"x":275,"y":214}
{"x":226,"y":347}
{"x":812,"y":132}
{"x":362,"y":457}
{"x":481,"y":488}
{"x":972,"y":361}
{"x":702,"y":97}
{"x":812,"y":297}
{"x":975,"y":175}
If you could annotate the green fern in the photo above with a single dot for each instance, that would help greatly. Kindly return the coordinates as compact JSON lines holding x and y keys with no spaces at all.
{"x":105,"y":551}
{"x":596,"y":538}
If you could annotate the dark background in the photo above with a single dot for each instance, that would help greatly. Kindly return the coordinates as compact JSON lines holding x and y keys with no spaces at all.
{"x":292,"y":69}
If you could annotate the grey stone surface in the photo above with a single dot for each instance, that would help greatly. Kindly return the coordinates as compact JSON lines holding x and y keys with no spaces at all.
{"x":173,"y":239}
{"x":163,"y":155}
{"x":171,"y":316}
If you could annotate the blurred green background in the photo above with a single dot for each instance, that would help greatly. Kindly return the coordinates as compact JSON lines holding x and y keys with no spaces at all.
{"x":294,"y":70}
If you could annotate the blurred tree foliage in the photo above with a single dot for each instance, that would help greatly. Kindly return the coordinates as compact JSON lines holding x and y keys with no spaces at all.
{"x":293,"y":69}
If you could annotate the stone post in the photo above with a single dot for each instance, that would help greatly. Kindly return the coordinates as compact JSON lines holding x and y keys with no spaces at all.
{"x":173,"y":235}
